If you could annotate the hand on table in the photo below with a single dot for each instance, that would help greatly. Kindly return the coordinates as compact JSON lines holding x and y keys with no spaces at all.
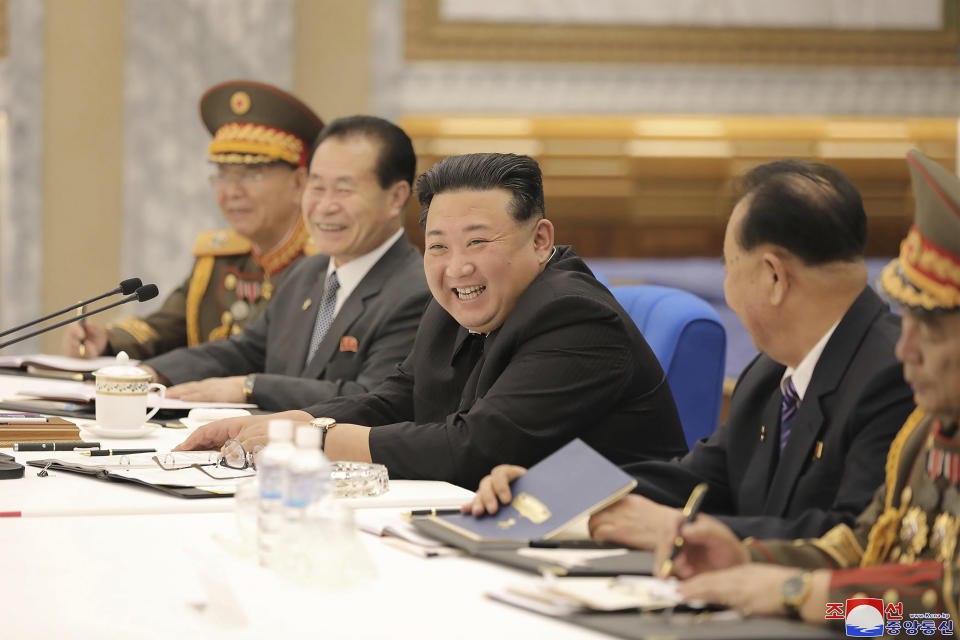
{"x":209,"y":390}
{"x":756,"y":589}
{"x":634,"y":521}
{"x":249,"y":430}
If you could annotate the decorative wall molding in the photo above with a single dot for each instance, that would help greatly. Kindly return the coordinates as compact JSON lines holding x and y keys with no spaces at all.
{"x":403,"y":84}
{"x":429,"y":36}
{"x":845,"y":15}
{"x":664,"y":185}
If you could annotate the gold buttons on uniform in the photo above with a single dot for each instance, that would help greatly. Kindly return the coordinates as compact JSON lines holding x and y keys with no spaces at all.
{"x":306,"y":304}
{"x":891,"y":595}
{"x":929,"y":599}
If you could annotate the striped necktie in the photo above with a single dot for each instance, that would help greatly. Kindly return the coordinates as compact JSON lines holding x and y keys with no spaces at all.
{"x":325,"y":314}
{"x":788,"y":411}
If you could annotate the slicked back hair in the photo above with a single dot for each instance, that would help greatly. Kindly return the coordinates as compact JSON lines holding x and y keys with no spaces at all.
{"x":520,"y":175}
{"x":812,"y":210}
{"x":396,"y":160}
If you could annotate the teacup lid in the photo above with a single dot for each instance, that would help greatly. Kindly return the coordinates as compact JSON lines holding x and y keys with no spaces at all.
{"x":123,"y":369}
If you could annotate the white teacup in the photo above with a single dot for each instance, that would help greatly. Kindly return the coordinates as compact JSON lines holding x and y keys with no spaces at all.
{"x":122,"y":395}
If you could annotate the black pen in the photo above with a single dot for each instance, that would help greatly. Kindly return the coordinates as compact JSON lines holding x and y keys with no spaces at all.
{"x":690,"y":511}
{"x":571,"y":544}
{"x":115,"y":452}
{"x":413,"y":513}
{"x":54,"y":446}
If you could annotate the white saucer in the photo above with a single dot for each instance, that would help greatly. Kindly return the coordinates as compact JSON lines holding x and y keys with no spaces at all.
{"x":113,"y":432}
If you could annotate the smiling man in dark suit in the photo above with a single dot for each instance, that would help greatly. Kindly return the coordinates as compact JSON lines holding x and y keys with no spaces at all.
{"x":520,"y":351}
{"x":812,"y":417}
{"x":344,"y":319}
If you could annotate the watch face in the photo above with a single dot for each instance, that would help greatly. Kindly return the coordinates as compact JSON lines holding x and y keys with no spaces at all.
{"x":323,"y":423}
{"x":793,"y":589}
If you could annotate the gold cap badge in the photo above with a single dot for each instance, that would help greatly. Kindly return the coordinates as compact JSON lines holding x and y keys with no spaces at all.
{"x":240,"y":102}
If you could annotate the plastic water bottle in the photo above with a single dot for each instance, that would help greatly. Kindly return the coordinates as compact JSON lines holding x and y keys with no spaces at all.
{"x":308,"y":476}
{"x":271,"y":475}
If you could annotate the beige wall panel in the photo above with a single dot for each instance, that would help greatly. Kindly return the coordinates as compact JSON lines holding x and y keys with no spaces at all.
{"x":332,"y":56}
{"x":82,"y":150}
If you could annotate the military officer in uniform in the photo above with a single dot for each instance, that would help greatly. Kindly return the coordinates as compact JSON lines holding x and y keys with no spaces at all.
{"x":903,"y":547}
{"x":261,"y":139}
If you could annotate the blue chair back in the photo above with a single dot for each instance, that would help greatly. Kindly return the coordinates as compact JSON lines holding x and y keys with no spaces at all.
{"x":690,"y":342}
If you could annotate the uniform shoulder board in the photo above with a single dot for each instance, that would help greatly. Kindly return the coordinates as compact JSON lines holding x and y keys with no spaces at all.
{"x":220,"y":242}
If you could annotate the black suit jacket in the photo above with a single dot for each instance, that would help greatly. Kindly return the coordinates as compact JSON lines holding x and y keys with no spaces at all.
{"x":381,"y":314}
{"x":855,"y":404}
{"x":567,"y":362}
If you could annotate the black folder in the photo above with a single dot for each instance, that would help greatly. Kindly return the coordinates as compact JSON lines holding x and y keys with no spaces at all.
{"x":103,"y":474}
{"x":633,"y":562}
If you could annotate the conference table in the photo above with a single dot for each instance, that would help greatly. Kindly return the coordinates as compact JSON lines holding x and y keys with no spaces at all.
{"x":91,"y":558}
{"x":87,"y":558}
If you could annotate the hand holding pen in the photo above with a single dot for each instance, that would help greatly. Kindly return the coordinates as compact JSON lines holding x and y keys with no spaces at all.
{"x":698,"y":543}
{"x":690,"y":511}
{"x":82,"y":347}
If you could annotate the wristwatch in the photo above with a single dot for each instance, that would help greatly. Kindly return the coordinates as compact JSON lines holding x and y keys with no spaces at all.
{"x":324,"y":424}
{"x":794,"y":592}
{"x":248,"y":383}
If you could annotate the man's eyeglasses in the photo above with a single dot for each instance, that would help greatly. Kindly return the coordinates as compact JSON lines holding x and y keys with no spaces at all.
{"x":233,"y":461}
{"x":245,"y":177}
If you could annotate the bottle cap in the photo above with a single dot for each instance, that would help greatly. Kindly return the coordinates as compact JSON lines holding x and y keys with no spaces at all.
{"x":280,"y":430}
{"x":308,"y":437}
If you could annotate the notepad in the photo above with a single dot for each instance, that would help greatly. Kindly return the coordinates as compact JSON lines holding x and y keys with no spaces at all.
{"x":58,"y":363}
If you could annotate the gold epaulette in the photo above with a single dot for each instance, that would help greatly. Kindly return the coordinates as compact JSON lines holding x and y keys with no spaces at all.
{"x":220,"y":242}
{"x":293,"y":247}
{"x":137,"y":328}
{"x":883,"y":533}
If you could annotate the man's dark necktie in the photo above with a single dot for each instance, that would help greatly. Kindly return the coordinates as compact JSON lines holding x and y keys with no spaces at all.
{"x":465,"y":363}
{"x":325,"y":314}
{"x":788,"y":411}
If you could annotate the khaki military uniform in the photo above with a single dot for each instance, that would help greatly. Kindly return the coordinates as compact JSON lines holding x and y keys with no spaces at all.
{"x":229,"y":286}
{"x":903,"y":547}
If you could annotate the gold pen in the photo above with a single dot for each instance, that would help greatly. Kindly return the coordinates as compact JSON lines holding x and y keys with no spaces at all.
{"x":82,"y":348}
{"x":690,"y":511}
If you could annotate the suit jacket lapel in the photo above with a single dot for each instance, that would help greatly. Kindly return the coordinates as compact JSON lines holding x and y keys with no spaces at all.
{"x":756,"y":481}
{"x":353,"y":307}
{"x":811,"y":420}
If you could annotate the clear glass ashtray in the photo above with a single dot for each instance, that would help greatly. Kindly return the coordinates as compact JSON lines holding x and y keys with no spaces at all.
{"x":359,"y":479}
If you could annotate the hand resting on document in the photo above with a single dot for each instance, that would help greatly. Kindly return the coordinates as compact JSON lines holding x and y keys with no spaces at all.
{"x":633,"y":521}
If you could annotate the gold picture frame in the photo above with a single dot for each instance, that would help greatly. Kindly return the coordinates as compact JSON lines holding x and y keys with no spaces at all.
{"x":429,"y":37}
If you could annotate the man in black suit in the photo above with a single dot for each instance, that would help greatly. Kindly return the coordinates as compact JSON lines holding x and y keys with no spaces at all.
{"x":520,"y":351}
{"x":793,"y":254}
{"x":342,"y":320}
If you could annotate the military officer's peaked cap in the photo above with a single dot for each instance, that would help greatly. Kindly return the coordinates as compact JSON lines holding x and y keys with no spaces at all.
{"x":255,"y":123}
{"x":927,"y":273}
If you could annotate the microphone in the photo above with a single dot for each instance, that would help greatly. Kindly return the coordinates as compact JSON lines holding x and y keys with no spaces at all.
{"x":142,"y":294}
{"x":126,"y":287}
